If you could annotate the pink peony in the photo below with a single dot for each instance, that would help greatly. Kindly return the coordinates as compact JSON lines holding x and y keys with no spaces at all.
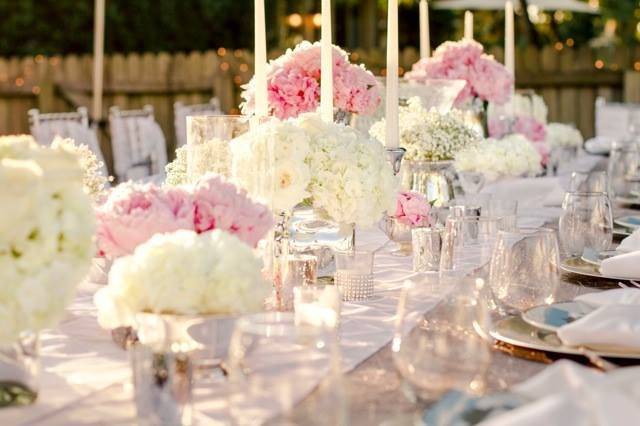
{"x":133,"y":213}
{"x":486,"y":79}
{"x":412,"y":208}
{"x":531,"y":128}
{"x":528,"y":127}
{"x":219,"y":205}
{"x":294,"y":84}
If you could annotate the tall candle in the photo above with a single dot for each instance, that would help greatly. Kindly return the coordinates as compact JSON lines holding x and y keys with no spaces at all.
{"x":98,"y":59}
{"x":425,"y":42}
{"x":468,"y":25}
{"x":260,"y":57}
{"x":391,"y":110}
{"x":326,"y":76}
{"x":509,"y":41}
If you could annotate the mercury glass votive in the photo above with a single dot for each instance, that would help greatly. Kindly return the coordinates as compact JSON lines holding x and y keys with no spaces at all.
{"x":297,"y":270}
{"x":427,"y":245}
{"x":317,"y":305}
{"x":354,"y":274}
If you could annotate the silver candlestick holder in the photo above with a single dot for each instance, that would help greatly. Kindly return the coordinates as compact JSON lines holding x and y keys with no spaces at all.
{"x":395,"y":155}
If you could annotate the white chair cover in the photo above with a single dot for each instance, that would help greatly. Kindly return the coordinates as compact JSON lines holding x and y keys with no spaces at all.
{"x":612,"y":119}
{"x":139,"y":146}
{"x":181,"y":111}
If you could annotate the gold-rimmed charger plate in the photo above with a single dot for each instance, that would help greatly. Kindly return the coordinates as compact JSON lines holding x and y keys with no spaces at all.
{"x":576,"y":265}
{"x":515,"y":331}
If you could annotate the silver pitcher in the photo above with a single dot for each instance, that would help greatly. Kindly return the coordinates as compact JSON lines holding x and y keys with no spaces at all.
{"x":432,"y":178}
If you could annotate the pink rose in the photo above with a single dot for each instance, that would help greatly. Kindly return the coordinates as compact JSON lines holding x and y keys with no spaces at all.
{"x":412,"y":208}
{"x":133,"y":213}
{"x":219,"y":205}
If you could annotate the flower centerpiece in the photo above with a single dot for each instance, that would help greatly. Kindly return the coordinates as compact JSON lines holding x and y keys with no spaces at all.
{"x":412,"y":210}
{"x":560,"y":135}
{"x":212,"y":156}
{"x":46,"y":249}
{"x":512,"y":156}
{"x":94,"y":181}
{"x":293,"y":84}
{"x":133,"y":213}
{"x":487,"y":79}
{"x":432,"y":140}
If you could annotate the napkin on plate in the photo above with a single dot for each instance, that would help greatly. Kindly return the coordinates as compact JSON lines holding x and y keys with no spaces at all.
{"x":631,"y":243}
{"x":567,"y":393}
{"x":625,"y":265}
{"x":612,"y":327}
{"x":618,"y":296}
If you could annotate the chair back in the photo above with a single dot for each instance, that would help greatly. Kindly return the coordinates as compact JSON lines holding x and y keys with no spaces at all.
{"x":139,"y":145}
{"x":613,"y":118}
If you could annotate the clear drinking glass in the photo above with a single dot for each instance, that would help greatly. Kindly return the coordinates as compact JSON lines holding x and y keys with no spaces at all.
{"x":471,"y":182}
{"x":586,"y":223}
{"x":588,"y":181}
{"x":318,"y":305}
{"x":445,"y":348}
{"x":208,"y":138}
{"x":274,"y":363}
{"x":524,"y":269}
{"x":467,"y":246}
{"x":427,"y":244}
{"x":623,"y":169}
{"x":354,"y":274}
{"x":507,"y":210}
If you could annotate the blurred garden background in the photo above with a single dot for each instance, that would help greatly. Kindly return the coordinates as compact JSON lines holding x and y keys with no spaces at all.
{"x":162,"y":51}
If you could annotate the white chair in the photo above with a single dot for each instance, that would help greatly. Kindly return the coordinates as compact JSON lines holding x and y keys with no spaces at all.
{"x":139,"y":146}
{"x":75,"y":125}
{"x":181,"y":111}
{"x":613,"y":119}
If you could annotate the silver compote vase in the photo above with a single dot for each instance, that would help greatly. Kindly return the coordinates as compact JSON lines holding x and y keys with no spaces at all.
{"x":432,"y":178}
{"x":20,"y":370}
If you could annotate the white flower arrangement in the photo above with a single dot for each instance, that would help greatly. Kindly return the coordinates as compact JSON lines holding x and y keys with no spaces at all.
{"x":428,"y":135}
{"x":95,"y":183}
{"x":332,"y":166}
{"x":512,"y":156}
{"x":46,"y":232}
{"x":183,"y":273}
{"x":212,"y":156}
{"x":563,"y":135}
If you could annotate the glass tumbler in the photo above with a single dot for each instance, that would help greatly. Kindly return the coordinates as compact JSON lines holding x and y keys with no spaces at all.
{"x":623,"y":169}
{"x":208,"y":138}
{"x":586,"y":223}
{"x":427,"y":245}
{"x":354,"y":274}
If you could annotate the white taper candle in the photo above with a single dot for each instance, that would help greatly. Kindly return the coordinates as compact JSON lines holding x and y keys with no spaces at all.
{"x":468,"y":25}
{"x":391,"y":110}
{"x":260,"y":58}
{"x":509,"y":41}
{"x":425,"y":42}
{"x":326,"y":76}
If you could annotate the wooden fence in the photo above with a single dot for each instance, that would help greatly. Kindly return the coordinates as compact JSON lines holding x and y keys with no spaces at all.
{"x":569,"y":79}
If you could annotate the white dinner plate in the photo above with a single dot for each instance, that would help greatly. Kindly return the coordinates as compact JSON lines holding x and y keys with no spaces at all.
{"x":515,"y":331}
{"x":576,"y":265}
{"x":629,"y":222}
{"x":552,"y":317}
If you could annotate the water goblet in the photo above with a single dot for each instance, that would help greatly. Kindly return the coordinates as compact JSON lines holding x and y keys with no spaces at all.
{"x":623,"y":169}
{"x":586,"y":223}
{"x":595,"y":181}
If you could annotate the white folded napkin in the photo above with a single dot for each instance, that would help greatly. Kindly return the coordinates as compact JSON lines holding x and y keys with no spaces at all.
{"x":567,"y":393}
{"x":622,"y":266}
{"x":631,"y":243}
{"x":614,"y":327}
{"x":598,"y":145}
{"x":618,"y":296}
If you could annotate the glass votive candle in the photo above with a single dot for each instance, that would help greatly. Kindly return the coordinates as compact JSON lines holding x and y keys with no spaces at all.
{"x":354,"y":274}
{"x":297,"y":270}
{"x":317,"y":305}
{"x":427,"y":245}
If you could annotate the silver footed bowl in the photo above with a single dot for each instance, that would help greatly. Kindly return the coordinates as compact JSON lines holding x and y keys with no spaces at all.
{"x":399,"y":233}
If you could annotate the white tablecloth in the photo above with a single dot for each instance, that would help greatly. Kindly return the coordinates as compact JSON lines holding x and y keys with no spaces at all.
{"x":86,"y":378}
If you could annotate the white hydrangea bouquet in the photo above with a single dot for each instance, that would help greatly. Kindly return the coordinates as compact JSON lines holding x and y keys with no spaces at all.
{"x":46,"y":234}
{"x":212,"y":156}
{"x":561,"y":135}
{"x":183,"y":274}
{"x":511,"y":156}
{"x":330,"y":166}
{"x":428,"y":135}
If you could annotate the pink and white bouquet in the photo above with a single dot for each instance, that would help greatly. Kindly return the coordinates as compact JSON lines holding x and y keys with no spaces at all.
{"x":529,"y":127}
{"x":293,"y":84}
{"x":487,"y":79}
{"x":412,"y":208}
{"x":133,"y":213}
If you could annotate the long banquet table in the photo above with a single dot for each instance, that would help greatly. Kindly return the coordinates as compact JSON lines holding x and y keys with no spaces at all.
{"x":86,"y":377}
